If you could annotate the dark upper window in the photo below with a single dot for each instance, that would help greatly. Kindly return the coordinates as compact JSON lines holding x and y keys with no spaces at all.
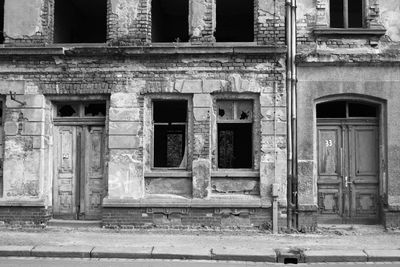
{"x":80,"y":21}
{"x":346,"y":13}
{"x":235,"y":132}
{"x":79,"y":109}
{"x":343,"y":110}
{"x":170,"y":133}
{"x":235,"y":21}
{"x":170,"y":20}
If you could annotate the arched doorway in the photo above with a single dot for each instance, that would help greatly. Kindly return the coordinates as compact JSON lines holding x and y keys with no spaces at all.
{"x":348,"y":162}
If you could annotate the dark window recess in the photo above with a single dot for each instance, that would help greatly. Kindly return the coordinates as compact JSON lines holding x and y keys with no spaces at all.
{"x":336,"y":14}
{"x":170,"y":20}
{"x":362,"y":110}
{"x":234,"y":145}
{"x":169,"y":111}
{"x":169,"y":118}
{"x":68,"y":111}
{"x":346,"y":13}
{"x":80,"y":21}
{"x":335,"y":109}
{"x":169,"y":145}
{"x":235,"y":21}
{"x":95,"y":110}
{"x":2,"y":21}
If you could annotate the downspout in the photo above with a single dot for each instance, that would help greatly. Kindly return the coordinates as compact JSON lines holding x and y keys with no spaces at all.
{"x":288,"y":26}
{"x":294,"y":115}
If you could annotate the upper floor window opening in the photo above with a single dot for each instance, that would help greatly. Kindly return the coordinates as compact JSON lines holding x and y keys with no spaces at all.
{"x":80,"y":21}
{"x":234,"y":21}
{"x":346,"y":13}
{"x":170,"y":20}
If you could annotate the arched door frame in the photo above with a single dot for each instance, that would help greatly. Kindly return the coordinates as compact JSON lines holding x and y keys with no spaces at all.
{"x":382,"y":161}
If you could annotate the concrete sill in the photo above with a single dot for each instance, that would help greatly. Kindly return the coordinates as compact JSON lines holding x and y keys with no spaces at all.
{"x":232,"y":173}
{"x":32,"y":51}
{"x":349,"y":31}
{"x":169,"y":201}
{"x":22,"y":203}
{"x":168,"y":174}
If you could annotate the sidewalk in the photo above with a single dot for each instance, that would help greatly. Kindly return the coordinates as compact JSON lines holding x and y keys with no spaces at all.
{"x":343,"y":244}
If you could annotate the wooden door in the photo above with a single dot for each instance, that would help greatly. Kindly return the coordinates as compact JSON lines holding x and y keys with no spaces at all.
{"x":348,"y":182}
{"x":79,"y":173}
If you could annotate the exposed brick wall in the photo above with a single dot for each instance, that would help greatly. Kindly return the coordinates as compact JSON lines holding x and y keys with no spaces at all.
{"x":191,"y":217}
{"x":25,"y":215}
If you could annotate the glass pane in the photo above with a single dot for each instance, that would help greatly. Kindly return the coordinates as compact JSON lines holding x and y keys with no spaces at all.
{"x":95,"y":110}
{"x":68,"y":110}
{"x":235,"y":145}
{"x":169,"y":145}
{"x":170,"y":111}
{"x":244,"y":110}
{"x":225,"y":110}
{"x":362,"y":110}
{"x":335,"y":109}
{"x":355,"y":13}
{"x":336,"y":13}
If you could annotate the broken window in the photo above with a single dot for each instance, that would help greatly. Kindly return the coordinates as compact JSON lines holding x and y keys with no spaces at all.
{"x":170,"y":124}
{"x":235,"y":21}
{"x":78,"y":109}
{"x":170,"y":20}
{"x":80,"y":21}
{"x":235,"y":133}
{"x":346,"y":13}
{"x":1,"y":21}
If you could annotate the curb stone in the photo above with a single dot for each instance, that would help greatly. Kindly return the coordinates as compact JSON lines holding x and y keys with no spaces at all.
{"x":62,"y":251}
{"x":312,"y":256}
{"x":122,"y":252}
{"x":181,"y":253}
{"x":17,"y":251}
{"x":382,"y":255}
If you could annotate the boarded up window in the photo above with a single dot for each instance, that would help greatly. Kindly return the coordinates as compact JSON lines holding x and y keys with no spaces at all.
{"x":235,"y":131}
{"x":170,"y":121}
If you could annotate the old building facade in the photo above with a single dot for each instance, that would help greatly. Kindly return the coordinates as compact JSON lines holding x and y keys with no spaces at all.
{"x":200,"y":112}
{"x":140,"y":112}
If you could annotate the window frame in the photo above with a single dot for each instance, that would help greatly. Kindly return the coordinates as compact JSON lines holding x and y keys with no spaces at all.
{"x":346,"y":15}
{"x":256,"y":138}
{"x":149,"y":131}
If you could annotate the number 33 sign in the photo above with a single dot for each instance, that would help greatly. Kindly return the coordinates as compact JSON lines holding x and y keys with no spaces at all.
{"x":328,"y":143}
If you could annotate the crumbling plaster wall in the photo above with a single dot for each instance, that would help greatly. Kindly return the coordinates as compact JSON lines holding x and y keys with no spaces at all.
{"x":389,"y":16}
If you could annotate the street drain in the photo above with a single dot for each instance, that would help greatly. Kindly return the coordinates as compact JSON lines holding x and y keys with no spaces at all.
{"x":290,"y":261}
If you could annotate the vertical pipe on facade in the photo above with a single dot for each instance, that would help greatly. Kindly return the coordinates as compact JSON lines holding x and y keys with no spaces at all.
{"x":294,"y":112}
{"x":288,"y":26}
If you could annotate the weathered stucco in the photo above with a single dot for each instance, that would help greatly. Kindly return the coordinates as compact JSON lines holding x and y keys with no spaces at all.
{"x":22,"y":18}
{"x":390,"y":14}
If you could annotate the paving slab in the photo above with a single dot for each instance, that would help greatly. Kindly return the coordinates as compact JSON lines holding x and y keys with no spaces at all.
{"x":383,"y":255}
{"x":244,"y":254}
{"x":17,"y":251}
{"x":122,"y":252}
{"x":62,"y":251}
{"x":334,"y":256}
{"x":181,"y":252}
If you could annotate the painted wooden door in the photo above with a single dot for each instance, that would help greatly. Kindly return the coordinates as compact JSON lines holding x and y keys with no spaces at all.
{"x":78,"y":184}
{"x":348,"y":181}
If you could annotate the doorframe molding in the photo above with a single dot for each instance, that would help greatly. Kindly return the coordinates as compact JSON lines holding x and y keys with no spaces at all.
{"x":382,"y":126}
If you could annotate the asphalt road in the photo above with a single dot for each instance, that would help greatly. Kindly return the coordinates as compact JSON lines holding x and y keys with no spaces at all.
{"x":44,"y":262}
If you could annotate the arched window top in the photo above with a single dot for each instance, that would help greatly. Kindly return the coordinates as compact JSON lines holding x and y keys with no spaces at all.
{"x":346,"y":109}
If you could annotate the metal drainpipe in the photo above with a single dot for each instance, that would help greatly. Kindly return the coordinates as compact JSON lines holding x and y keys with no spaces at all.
{"x":294,"y":114}
{"x":289,"y":64}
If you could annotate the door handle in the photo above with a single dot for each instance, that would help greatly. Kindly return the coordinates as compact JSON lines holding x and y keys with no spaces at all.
{"x":346,"y":182}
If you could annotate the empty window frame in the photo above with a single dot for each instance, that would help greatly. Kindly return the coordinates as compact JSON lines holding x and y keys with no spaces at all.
{"x":170,"y":20}
{"x":235,"y":134}
{"x":80,"y":21}
{"x":346,"y":13}
{"x":170,"y":133}
{"x":235,"y":21}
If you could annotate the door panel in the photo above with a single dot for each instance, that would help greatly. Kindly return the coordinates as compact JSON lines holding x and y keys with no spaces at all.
{"x":94,"y":171}
{"x":64,"y":184}
{"x":329,"y":170}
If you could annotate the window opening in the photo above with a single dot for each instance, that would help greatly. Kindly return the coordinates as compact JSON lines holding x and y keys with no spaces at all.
{"x":80,"y":21}
{"x":343,"y":109}
{"x":2,"y":21}
{"x":235,"y":133}
{"x":235,"y":21}
{"x":95,"y":110}
{"x":346,"y":13}
{"x":170,"y":20}
{"x":170,"y":124}
{"x":68,"y":111}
